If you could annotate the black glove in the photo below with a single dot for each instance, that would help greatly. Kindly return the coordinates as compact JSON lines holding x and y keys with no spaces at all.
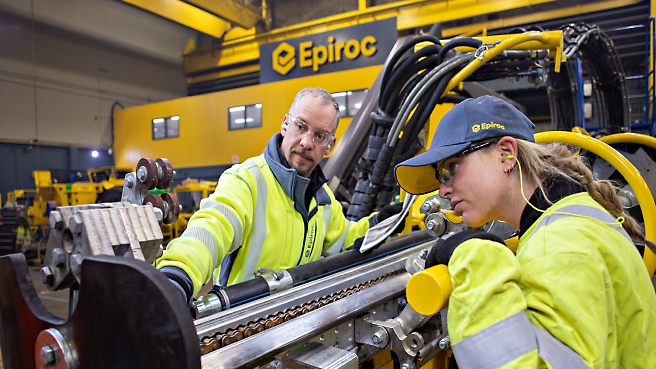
{"x":181,"y":282}
{"x":389,"y":210}
{"x":443,"y":248}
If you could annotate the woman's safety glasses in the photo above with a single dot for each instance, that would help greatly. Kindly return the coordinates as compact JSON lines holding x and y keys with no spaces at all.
{"x":299,"y":128}
{"x":448,"y":168}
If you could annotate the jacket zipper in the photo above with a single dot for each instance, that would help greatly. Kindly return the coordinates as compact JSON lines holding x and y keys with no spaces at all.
{"x":305,"y":224}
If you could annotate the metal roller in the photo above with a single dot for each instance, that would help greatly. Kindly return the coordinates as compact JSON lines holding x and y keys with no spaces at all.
{"x":165,"y":173}
{"x":147,"y":174}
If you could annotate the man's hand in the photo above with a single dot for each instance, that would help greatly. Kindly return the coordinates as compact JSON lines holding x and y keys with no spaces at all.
{"x":443,"y":248}
{"x":388,"y":211}
{"x":181,"y":282}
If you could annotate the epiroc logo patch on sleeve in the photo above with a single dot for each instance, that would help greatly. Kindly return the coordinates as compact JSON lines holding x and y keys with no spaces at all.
{"x":346,"y":48}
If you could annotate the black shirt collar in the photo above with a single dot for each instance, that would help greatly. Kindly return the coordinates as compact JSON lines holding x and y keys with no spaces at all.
{"x":556,"y":188}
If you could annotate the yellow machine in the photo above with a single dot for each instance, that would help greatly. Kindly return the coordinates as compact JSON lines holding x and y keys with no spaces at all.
{"x":196,"y":190}
{"x":50,"y":192}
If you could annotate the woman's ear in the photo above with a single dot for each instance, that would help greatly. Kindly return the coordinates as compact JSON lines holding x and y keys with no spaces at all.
{"x":508,"y":148}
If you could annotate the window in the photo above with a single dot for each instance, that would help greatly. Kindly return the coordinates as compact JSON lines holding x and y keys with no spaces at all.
{"x":350,"y":101}
{"x":166,"y":127}
{"x":245,"y":116}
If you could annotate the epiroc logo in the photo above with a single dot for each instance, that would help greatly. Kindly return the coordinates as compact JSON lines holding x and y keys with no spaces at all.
{"x":478,"y":127}
{"x":346,"y":48}
{"x":283,"y":58}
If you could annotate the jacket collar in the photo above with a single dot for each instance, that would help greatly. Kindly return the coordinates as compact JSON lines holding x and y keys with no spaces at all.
{"x":556,"y":188}
{"x":300,"y":189}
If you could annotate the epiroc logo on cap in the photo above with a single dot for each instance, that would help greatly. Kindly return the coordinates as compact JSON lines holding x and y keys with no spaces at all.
{"x":283,"y":58}
{"x":346,"y":48}
{"x":485,"y":126}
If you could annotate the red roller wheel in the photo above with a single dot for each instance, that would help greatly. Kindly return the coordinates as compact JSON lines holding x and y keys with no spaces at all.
{"x":174,"y":208}
{"x":167,"y":173}
{"x":156,"y":201}
{"x":147,"y":179}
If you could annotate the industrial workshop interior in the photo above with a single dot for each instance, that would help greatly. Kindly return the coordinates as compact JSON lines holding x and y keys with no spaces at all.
{"x":120,"y":116}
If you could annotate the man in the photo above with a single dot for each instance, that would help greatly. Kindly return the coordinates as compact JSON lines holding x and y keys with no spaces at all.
{"x":273,"y":211}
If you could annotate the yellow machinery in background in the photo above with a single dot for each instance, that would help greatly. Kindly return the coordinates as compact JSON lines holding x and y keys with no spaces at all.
{"x":53,"y":190}
{"x":50,"y":193}
{"x":197,"y":190}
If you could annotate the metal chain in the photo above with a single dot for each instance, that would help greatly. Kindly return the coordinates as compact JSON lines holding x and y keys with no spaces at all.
{"x":232,"y":335}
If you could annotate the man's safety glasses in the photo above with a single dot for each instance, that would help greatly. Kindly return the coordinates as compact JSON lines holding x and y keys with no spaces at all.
{"x":299,"y":128}
{"x":448,"y":168}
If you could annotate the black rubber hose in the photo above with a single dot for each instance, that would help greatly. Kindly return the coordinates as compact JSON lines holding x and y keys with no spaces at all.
{"x":413,"y":127}
{"x":404,"y":72}
{"x":250,"y":290}
{"x":413,"y":78}
{"x":348,"y":259}
{"x":399,"y":54}
{"x":471,"y":42}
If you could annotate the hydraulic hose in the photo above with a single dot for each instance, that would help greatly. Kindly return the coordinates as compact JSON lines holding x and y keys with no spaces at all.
{"x":244,"y":292}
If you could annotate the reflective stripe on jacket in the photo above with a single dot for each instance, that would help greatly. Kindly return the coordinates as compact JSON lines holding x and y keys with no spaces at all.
{"x":576,"y":295}
{"x":252,"y":217}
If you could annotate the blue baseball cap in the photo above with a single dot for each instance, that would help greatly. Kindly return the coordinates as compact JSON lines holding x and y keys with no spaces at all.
{"x":469,"y":121}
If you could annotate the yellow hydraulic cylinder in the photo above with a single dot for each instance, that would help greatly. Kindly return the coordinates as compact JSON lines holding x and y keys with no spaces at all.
{"x":428,"y":290}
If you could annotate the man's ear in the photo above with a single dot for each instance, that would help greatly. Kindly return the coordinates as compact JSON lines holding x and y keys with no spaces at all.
{"x":330,"y":147}
{"x":283,"y":126}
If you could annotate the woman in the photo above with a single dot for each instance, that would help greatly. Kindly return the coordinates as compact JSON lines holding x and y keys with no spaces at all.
{"x":577,"y":293}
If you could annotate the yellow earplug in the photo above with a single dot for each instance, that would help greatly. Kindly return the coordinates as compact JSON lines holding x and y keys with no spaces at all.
{"x":506,"y":157}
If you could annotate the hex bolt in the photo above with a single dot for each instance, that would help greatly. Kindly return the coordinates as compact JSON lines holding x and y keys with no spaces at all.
{"x":141,"y":173}
{"x":48,"y":356}
{"x":423,"y":254}
{"x":402,"y":301}
{"x":425,"y":207}
{"x":276,"y":364}
{"x":407,"y":365}
{"x":159,"y":214}
{"x":445,"y":343}
{"x":431,"y":224}
{"x":46,"y":275}
{"x":129,"y":182}
{"x":75,"y":223}
{"x":58,"y":257}
{"x":379,"y":337}
{"x":56,"y":220}
{"x":76,"y":263}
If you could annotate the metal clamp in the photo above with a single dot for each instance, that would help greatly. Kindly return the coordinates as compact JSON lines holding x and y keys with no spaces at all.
{"x":278,"y":280}
{"x":207,"y":305}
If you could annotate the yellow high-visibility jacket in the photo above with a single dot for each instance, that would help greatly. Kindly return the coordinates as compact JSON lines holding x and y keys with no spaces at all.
{"x":576,"y":295}
{"x":256,"y":218}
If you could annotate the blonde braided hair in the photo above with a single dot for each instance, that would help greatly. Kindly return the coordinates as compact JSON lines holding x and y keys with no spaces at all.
{"x":541,"y":161}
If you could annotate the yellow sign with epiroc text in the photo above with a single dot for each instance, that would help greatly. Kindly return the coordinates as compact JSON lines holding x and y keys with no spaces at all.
{"x":346,"y":48}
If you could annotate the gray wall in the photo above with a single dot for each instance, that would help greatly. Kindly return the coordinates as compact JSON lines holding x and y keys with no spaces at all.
{"x":63,"y":65}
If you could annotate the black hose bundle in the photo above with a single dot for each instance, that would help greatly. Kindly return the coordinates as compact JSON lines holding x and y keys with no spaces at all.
{"x":590,"y":49}
{"x":412,"y":84}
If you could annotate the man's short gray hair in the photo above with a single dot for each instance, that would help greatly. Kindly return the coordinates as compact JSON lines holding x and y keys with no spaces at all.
{"x":321,"y":96}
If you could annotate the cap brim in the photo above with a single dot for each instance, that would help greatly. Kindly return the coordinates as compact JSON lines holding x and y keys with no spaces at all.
{"x":416,"y":175}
